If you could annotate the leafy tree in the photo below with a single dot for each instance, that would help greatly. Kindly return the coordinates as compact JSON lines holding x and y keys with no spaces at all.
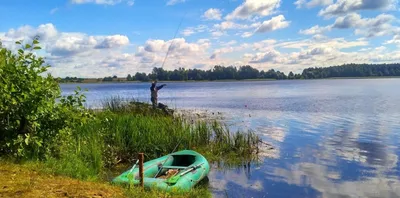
{"x":291,"y":75}
{"x":30,"y":118}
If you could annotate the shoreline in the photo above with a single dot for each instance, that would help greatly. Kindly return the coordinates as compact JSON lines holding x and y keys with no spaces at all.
{"x":232,"y":80}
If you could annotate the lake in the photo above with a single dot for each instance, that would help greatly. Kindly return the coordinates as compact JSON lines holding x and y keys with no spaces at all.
{"x":332,"y":138}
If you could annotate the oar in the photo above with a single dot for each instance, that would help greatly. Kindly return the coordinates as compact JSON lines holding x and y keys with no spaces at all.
{"x":174,"y":179}
{"x":133,"y":167}
{"x":130,"y":171}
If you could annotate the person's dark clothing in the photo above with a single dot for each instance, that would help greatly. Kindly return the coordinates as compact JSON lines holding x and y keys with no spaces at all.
{"x":154,"y":93}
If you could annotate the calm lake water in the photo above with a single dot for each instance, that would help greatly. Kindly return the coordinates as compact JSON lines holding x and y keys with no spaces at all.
{"x":332,"y":138}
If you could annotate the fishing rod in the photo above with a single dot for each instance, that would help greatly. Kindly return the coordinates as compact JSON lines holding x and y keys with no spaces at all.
{"x":173,"y":40}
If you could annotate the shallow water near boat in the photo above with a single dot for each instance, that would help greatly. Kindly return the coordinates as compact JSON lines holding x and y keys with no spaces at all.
{"x":332,"y":138}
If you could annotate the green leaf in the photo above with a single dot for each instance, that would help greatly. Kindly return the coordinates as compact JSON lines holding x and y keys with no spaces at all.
{"x":37,"y":48}
{"x":27,"y":46}
{"x":20,"y":51}
{"x":39,"y":143}
{"x":35,"y":42}
{"x":18,"y":42}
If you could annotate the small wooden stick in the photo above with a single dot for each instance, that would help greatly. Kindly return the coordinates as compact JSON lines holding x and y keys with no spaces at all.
{"x":141,"y":157}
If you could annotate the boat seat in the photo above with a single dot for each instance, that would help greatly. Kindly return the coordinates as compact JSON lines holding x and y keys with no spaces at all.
{"x":175,"y":167}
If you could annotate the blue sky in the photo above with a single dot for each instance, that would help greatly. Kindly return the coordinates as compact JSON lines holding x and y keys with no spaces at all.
{"x":95,"y":38}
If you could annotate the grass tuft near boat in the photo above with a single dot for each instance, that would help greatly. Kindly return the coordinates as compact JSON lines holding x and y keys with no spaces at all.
{"x":179,"y":171}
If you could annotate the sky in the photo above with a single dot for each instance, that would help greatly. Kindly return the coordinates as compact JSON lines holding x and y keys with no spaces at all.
{"x":97,"y":38}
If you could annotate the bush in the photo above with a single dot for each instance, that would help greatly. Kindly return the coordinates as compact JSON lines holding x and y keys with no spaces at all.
{"x":30,"y":116}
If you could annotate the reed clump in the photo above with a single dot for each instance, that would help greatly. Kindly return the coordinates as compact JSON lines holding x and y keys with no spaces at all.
{"x":123,"y":129}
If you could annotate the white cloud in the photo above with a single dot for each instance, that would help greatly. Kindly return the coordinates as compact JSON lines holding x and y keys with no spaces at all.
{"x":44,"y":31}
{"x":319,"y":37}
{"x":228,"y":49}
{"x":218,"y":33}
{"x":232,"y":42}
{"x":212,"y":14}
{"x":312,"y":3}
{"x":226,"y":25}
{"x":315,"y":30}
{"x":269,"y":56}
{"x":113,"y":41}
{"x":188,"y":32}
{"x":173,"y":2}
{"x":394,"y":40}
{"x":349,"y":21}
{"x":339,"y":43}
{"x":343,"y":7}
{"x":275,"y":23}
{"x":178,"y":47}
{"x":325,"y":52}
{"x":247,"y":34}
{"x":54,"y":10}
{"x":318,"y":51}
{"x":369,"y":27}
{"x":130,"y":3}
{"x":71,"y":53}
{"x":193,"y":30}
{"x":250,"y":8}
{"x":264,"y":45}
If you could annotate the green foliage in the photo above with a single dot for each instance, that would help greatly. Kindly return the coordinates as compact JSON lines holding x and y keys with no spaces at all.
{"x":217,"y":73}
{"x":352,"y":70}
{"x":30,"y":116}
{"x":70,"y":79}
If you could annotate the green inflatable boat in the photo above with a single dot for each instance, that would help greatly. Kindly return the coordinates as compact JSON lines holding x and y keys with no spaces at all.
{"x":179,"y":171}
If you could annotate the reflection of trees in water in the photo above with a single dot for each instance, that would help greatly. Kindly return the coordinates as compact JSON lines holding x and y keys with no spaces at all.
{"x":376,"y":154}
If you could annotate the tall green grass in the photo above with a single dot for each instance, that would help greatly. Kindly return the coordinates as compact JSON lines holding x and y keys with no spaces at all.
{"x":123,"y":129}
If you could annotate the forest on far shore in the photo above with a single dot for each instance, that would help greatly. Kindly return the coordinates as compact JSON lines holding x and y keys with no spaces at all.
{"x":249,"y":73}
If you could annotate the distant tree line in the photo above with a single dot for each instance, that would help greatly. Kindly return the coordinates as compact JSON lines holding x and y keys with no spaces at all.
{"x":217,"y":73}
{"x":352,"y":70}
{"x":248,"y":72}
{"x":70,"y":79}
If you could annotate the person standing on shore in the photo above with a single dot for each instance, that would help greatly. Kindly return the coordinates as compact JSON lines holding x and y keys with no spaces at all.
{"x":154,"y":93}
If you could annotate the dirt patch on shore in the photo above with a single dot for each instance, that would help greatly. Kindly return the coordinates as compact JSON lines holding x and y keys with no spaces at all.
{"x":19,"y":181}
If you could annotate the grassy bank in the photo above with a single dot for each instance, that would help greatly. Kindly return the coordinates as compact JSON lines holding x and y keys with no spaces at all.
{"x":122,"y":130}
